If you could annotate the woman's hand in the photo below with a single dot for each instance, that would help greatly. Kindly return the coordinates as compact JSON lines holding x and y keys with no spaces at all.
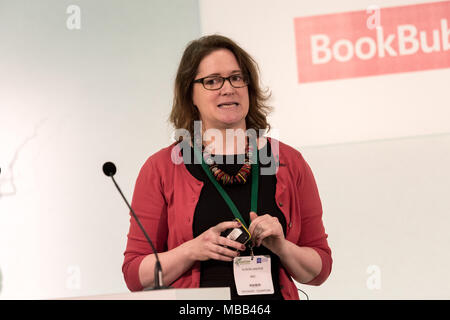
{"x":266,"y":230}
{"x":211,"y":245}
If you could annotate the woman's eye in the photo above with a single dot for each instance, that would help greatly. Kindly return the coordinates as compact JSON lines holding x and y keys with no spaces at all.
{"x":212,"y":81}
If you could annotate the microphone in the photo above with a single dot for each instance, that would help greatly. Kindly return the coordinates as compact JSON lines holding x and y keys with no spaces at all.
{"x":109,"y":169}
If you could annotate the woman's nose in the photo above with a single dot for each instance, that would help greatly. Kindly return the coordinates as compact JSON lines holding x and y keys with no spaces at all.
{"x":227,"y":88}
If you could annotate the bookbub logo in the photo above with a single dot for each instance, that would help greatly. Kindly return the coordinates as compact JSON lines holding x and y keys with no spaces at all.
{"x":339,"y":46}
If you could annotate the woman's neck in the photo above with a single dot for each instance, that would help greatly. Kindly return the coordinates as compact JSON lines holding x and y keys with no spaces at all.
{"x":226,"y":141}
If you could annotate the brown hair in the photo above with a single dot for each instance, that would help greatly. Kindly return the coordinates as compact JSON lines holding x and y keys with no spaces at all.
{"x":184,"y":113}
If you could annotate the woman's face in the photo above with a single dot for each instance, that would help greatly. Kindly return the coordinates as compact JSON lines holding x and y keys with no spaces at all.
{"x":227,"y":107}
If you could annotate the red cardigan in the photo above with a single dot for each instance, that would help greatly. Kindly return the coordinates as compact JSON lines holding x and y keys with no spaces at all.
{"x":166,"y":195}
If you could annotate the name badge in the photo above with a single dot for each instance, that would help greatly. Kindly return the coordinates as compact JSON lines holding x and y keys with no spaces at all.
{"x":253,"y":276}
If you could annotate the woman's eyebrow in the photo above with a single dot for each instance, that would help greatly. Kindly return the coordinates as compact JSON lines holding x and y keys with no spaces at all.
{"x":218,"y":74}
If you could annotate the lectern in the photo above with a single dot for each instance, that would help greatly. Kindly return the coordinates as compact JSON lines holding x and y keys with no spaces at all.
{"x":165,"y":294}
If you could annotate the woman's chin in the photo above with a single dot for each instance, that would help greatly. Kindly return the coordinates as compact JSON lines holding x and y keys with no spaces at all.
{"x":232,"y":124}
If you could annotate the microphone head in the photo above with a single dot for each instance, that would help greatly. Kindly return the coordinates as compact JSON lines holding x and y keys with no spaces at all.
{"x":109,"y":169}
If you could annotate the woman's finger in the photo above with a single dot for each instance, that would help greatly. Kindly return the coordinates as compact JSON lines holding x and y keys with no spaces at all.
{"x":226,"y":252}
{"x":262,"y":236}
{"x":230,"y":243}
{"x":259,"y":221}
{"x":254,"y":225}
{"x":217,"y":256}
{"x":226,"y":225}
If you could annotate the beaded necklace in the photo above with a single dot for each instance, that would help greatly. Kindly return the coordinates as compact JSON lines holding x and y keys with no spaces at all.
{"x":226,"y":179}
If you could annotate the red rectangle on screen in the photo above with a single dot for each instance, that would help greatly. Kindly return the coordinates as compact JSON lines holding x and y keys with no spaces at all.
{"x":373,"y":42}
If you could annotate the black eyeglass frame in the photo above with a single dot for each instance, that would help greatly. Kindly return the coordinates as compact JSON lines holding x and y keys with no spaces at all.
{"x":201,"y":80}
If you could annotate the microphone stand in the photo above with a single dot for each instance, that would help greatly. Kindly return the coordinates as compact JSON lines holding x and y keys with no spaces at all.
{"x":158,"y":269}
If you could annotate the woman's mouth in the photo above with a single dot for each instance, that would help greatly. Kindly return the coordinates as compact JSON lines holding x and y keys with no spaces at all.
{"x":228,"y":105}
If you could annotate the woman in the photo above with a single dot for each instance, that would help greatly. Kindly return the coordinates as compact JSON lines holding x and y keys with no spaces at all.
{"x":183,"y":206}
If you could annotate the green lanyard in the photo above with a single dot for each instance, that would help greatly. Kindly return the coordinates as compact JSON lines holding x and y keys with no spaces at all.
{"x":224,"y":194}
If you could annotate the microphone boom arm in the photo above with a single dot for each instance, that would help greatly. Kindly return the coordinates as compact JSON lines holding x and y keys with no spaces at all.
{"x":158,"y":269}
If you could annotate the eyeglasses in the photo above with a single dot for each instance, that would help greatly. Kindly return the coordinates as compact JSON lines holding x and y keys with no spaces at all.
{"x":216,"y":82}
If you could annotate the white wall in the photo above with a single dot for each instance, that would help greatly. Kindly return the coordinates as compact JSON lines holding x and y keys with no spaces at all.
{"x":386,"y":211}
{"x":71,"y":100}
{"x":358,"y":109}
{"x":379,"y":147}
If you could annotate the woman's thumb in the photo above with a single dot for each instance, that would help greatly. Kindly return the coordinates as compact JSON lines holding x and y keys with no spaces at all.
{"x":253,"y":215}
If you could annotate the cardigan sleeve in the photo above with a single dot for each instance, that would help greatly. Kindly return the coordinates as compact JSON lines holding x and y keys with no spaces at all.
{"x":150,"y":207}
{"x":312,"y":229}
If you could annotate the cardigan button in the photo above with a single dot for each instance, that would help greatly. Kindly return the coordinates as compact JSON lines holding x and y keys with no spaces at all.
{"x":290,"y":224}
{"x":280,"y":204}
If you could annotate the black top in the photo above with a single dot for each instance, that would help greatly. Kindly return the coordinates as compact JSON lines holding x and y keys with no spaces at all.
{"x":212,"y":209}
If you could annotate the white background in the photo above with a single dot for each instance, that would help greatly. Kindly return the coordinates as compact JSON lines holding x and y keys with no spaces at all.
{"x":329,"y":112}
{"x":379,"y":148}
{"x":72,"y":99}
